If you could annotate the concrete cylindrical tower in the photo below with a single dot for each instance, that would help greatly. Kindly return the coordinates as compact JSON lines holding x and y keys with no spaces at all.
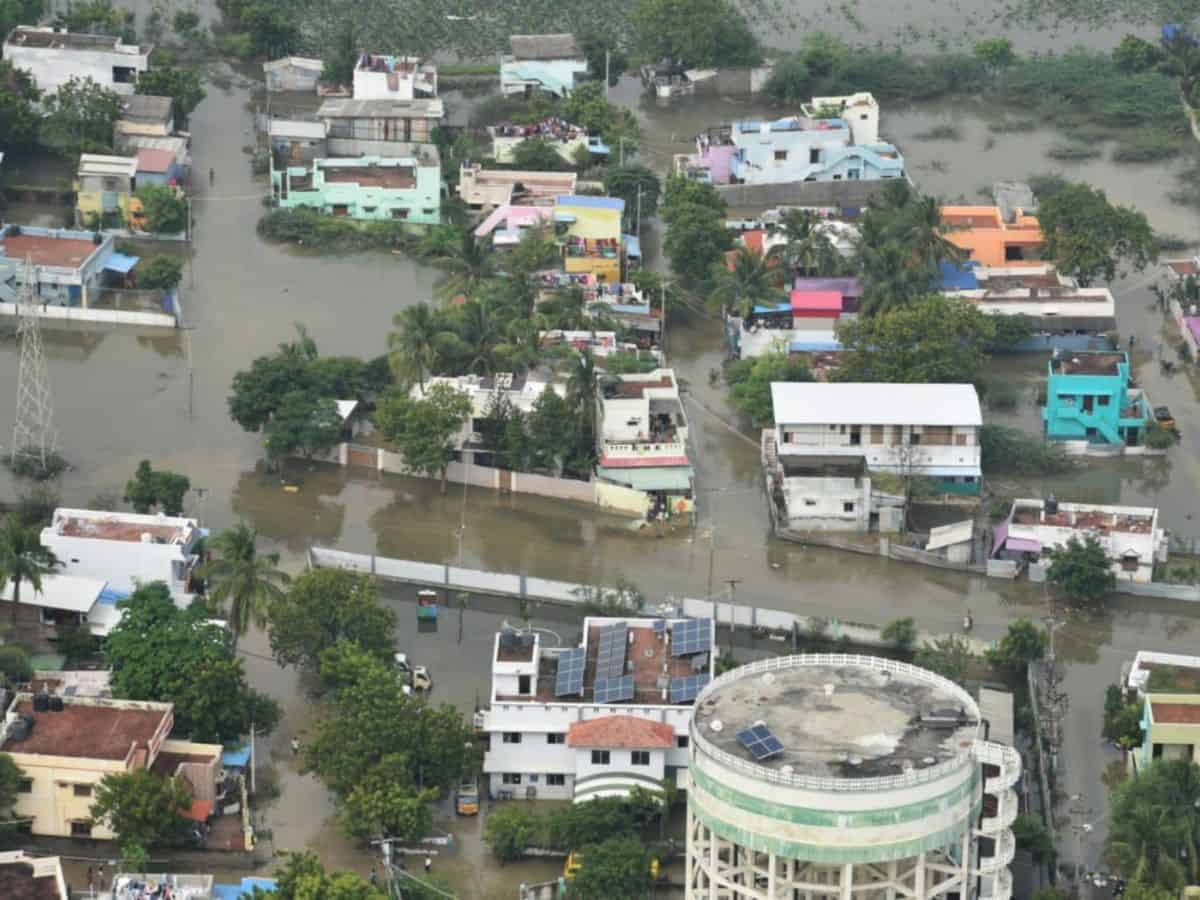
{"x":878,"y":786}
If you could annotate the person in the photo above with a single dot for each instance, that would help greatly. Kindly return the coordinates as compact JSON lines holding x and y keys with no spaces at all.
{"x":1131,"y":339}
{"x":428,"y":864}
{"x":374,"y":877}
{"x":295,"y":746}
{"x":212,"y":176}
{"x":91,"y":879}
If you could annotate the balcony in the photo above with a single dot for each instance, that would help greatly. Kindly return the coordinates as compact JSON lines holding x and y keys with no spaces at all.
{"x":1006,"y":814}
{"x":1005,"y":758}
{"x":1004,"y":851}
{"x":640,"y":449}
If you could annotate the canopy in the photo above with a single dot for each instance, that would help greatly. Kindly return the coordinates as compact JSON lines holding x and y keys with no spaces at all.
{"x":236,"y":759}
{"x":1023,"y":545}
{"x":121,"y":263}
{"x":676,"y":479}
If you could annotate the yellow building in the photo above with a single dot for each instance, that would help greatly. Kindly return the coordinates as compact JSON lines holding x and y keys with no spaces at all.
{"x":104,"y":189}
{"x":66,"y":745}
{"x":592,"y":238}
{"x":1171,"y":729}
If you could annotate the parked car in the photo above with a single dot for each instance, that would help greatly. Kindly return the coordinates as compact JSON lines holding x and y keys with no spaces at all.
{"x":466,"y":798}
{"x":417,"y":678}
{"x":1162,"y":415}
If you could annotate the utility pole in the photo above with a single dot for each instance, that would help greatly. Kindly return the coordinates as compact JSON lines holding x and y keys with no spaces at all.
{"x":730,"y":585}
{"x":607,"y":56}
{"x":662,"y":340}
{"x":638,"y":229}
{"x":33,"y":429}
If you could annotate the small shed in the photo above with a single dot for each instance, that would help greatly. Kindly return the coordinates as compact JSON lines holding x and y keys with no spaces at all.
{"x":952,"y":541}
{"x":157,"y":167}
{"x":293,"y":73}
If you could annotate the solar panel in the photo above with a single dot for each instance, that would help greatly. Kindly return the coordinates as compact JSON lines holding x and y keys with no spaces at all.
{"x":759,"y":741}
{"x":691,"y":636}
{"x":569,"y":679}
{"x":612,"y":690}
{"x":610,"y":651}
{"x":684,"y":690}
{"x":660,"y":626}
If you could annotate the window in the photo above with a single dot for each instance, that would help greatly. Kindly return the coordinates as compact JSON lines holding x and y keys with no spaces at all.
{"x":556,"y":737}
{"x":681,"y":741}
{"x":25,"y":786}
{"x":914,"y":438}
{"x":1102,"y":400}
{"x":808,"y":502}
{"x":511,"y":778}
{"x":1157,"y":752}
{"x":599,"y":757}
{"x":855,"y":436}
{"x":814,"y":156}
{"x":369,"y":209}
{"x":780,"y":156}
{"x":1088,"y":402}
{"x":848,"y":507}
{"x":556,"y":780}
{"x":83,"y":790}
{"x":640,"y":757}
{"x":399,"y":213}
{"x":341,"y":209}
{"x":524,"y":684}
{"x":512,"y":737}
{"x":1129,"y":563}
{"x":81,"y":829}
{"x":429,"y":212}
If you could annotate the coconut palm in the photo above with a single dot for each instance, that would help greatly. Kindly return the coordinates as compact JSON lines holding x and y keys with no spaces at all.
{"x":23,"y":558}
{"x":752,"y":279}
{"x":567,"y":309}
{"x":414,"y":342}
{"x":467,"y":266}
{"x":808,"y":250}
{"x":582,"y":389}
{"x":242,"y":578}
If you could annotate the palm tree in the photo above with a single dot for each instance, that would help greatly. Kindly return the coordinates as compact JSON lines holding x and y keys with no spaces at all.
{"x":23,"y":558}
{"x":753,"y":279}
{"x":582,"y":389}
{"x":929,"y":243}
{"x":247,"y":580}
{"x":414,"y":342}
{"x":808,"y":250}
{"x":568,"y":309}
{"x":467,"y":266}
{"x":479,"y":335}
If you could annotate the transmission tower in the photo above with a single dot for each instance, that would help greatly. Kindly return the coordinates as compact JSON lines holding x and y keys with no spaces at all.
{"x":34,"y":436}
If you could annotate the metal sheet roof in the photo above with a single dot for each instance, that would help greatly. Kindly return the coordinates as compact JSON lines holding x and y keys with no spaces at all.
{"x":948,"y":535}
{"x":97,"y":164}
{"x":650,"y":478}
{"x":860,"y":403}
{"x":295,"y":128}
{"x":382,"y":109}
{"x":544,"y":46}
{"x":69,"y":592}
{"x":121,"y":263}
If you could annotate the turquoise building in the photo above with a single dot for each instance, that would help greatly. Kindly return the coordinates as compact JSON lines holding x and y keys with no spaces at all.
{"x":1088,"y":398}
{"x":368,"y":187}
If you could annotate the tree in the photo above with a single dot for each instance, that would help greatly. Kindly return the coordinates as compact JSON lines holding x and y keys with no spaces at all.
{"x":385,"y":805}
{"x":324,"y":606}
{"x":751,"y":280}
{"x":604,"y":54}
{"x":549,"y":426}
{"x":618,"y":867}
{"x":933,"y":340}
{"x":413,"y":343}
{"x":1090,"y":238}
{"x":19,"y":118}
{"x":901,"y":632}
{"x":186,"y":22}
{"x":949,"y":657}
{"x":257,"y":391}
{"x":996,"y":53}
{"x":423,"y":429}
{"x":1135,"y":55}
{"x":1122,"y":720}
{"x":588,"y":107}
{"x":96,"y":17}
{"x":160,"y":652}
{"x":141,"y":808}
{"x":626,"y":181}
{"x":809,"y":249}
{"x":149,"y":489}
{"x":23,"y":559}
{"x":537,"y":155}
{"x":80,"y":116}
{"x":242,"y":579}
{"x":303,"y":423}
{"x":166,"y":211}
{"x":1024,"y":643}
{"x":162,"y":273}
{"x":183,"y":86}
{"x":1081,"y":570}
{"x":696,"y":240}
{"x":751,"y":380}
{"x":19,"y":12}
{"x":693,"y":34}
{"x":1033,"y":835}
{"x":302,"y":877}
{"x":467,"y":264}
{"x":1154,"y":825}
{"x":15,"y":665}
{"x":509,"y":830}
{"x":11,"y":776}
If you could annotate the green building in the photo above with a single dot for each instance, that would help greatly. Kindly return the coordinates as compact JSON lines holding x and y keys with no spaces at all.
{"x":406,"y":188}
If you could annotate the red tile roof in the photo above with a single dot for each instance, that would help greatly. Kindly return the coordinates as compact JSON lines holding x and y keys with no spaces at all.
{"x":70,"y":253}
{"x":90,"y":731}
{"x":150,"y":160}
{"x":1176,"y":713}
{"x":621,"y":733}
{"x":817,"y":301}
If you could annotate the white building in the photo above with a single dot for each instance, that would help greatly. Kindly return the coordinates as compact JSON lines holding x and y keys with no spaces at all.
{"x":1146,"y":661}
{"x":819,"y":493}
{"x":566,"y":140}
{"x":126,"y":549}
{"x":381,"y":77}
{"x":838,"y":777}
{"x":860,"y":111}
{"x":558,"y":728}
{"x":551,"y":63}
{"x":53,"y":58}
{"x":293,"y":73}
{"x":1130,"y":535}
{"x":928,"y":430}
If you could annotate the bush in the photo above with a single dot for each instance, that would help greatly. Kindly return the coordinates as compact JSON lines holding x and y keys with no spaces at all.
{"x":1002,"y":395}
{"x":1147,"y":146}
{"x":1157,"y":437}
{"x":945,"y":131}
{"x":161,"y":273}
{"x":1073,"y":151}
{"x":310,"y":228}
{"x":1011,"y":451}
{"x":14,"y":664}
{"x":166,"y":210}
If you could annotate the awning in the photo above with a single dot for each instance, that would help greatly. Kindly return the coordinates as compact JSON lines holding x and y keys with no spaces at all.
{"x":1023,"y":545}
{"x":675,"y":479}
{"x":633,"y":246}
{"x":121,"y":263}
{"x":236,"y":759}
{"x":199,"y":811}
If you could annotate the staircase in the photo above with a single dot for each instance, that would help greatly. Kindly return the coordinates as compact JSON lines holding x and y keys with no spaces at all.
{"x":994,"y":866}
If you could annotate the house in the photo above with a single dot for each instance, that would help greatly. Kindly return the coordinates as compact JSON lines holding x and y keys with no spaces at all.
{"x":406,"y":188}
{"x":480,"y":187}
{"x":590,"y":235}
{"x":64,"y":602}
{"x":25,"y":877}
{"x":925,"y":430}
{"x":68,"y":266}
{"x":126,"y":549}
{"x":53,"y":57}
{"x":157,"y":167}
{"x":65,"y":745}
{"x":819,"y":493}
{"x":381,"y":77}
{"x":859,"y":111}
{"x":1130,"y":535}
{"x":1171,"y":728}
{"x":600,"y":344}
{"x":1089,"y":398}
{"x":171,"y":886}
{"x":1153,"y":672}
{"x":548,"y":63}
{"x":294,"y":141}
{"x":1062,"y":315}
{"x":487,"y":393}
{"x":625,"y":305}
{"x":146,"y":115}
{"x":507,"y":224}
{"x":989,"y":239}
{"x":170,"y":152}
{"x":566,"y":139}
{"x":104,"y":187}
{"x":792,"y":149}
{"x":293,"y":73}
{"x":366,"y":127}
{"x":641,"y":445}
{"x":595,"y":720}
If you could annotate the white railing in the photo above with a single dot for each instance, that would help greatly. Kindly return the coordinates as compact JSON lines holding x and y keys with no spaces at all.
{"x":1003,"y":889}
{"x":1005,"y":850}
{"x":643,"y":448}
{"x":1006,"y":814}
{"x":1003,"y":757}
{"x":825,"y":783}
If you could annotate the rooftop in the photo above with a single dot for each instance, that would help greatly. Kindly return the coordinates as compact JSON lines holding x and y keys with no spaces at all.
{"x":146,"y":108}
{"x":514,"y":646}
{"x":621,"y":733}
{"x":844,"y":717}
{"x":394,"y":174}
{"x":90,"y":728}
{"x":298,"y":129}
{"x":99,"y":164}
{"x":59,"y":591}
{"x":1175,"y":713}
{"x":1164,"y":673}
{"x":1088,"y":363}
{"x":49,"y":250}
{"x":149,"y":886}
{"x":50,"y":39}
{"x":345,"y":108}
{"x":24,"y":877}
{"x":613,"y":203}
{"x":544,"y":46}
{"x":155,"y":160}
{"x":115,"y":526}
{"x":858,"y":403}
{"x":632,"y":387}
{"x":1085,"y":517}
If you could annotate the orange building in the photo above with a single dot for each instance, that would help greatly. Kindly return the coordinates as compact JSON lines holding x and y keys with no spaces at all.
{"x":990,"y":241}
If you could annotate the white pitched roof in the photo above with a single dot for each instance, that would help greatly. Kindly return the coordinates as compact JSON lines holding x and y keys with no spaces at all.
{"x":70,"y":592}
{"x":861,"y":403}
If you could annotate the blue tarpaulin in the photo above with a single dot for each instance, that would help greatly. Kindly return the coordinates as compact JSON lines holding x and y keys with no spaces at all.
{"x":777,"y":308}
{"x":245,"y":889}
{"x":111,"y":597}
{"x":236,"y":759}
{"x":633,"y":246}
{"x":121,"y":263}
{"x":958,"y":276}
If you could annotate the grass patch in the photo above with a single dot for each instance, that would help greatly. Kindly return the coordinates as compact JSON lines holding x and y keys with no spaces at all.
{"x":1147,"y":146}
{"x":465,"y":69}
{"x":1013,"y":126}
{"x":946,"y":131}
{"x":1072,"y":151}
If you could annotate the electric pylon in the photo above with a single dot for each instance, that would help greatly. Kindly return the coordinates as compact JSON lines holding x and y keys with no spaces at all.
{"x":34,"y":436}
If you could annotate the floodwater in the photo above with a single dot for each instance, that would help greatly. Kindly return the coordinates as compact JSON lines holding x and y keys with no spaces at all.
{"x":122,"y":395}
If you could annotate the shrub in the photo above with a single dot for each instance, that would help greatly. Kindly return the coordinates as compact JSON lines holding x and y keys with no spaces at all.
{"x":1157,"y":437}
{"x":162,"y":273}
{"x":1012,"y":451}
{"x":1073,"y":151}
{"x":944,"y":131}
{"x":1147,"y":146}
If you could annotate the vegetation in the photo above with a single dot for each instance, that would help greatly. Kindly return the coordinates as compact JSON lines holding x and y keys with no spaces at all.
{"x":303,"y":877}
{"x":162,"y":273}
{"x":142,"y":809}
{"x":629,"y":182}
{"x":183,"y":86}
{"x":696,"y":238}
{"x":242,"y":583}
{"x":750,"y":280}
{"x":1081,"y":571}
{"x":323,"y":607}
{"x":149,"y":490}
{"x":310,"y":228}
{"x":23,"y":559}
{"x":303,"y":425}
{"x":166,"y":209}
{"x":160,"y":652}
{"x":20,"y":12}
{"x":900,"y":632}
{"x":693,"y":34}
{"x":949,"y":657}
{"x":1033,"y":835}
{"x":617,"y":867}
{"x":513,"y":828}
{"x":1024,"y":643}
{"x":1010,"y":451}
{"x":11,"y":776}
{"x":423,"y":429}
{"x":1090,"y":238}
{"x":1122,"y":719}
{"x":79,"y":117}
{"x":751,"y":380}
{"x":19,"y":118}
{"x":1154,"y":825}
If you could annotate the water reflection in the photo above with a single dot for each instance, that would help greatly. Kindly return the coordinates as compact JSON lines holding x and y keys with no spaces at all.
{"x":297,"y":520}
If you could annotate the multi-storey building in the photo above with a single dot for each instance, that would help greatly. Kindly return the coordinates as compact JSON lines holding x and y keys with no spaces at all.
{"x":54,"y":57}
{"x":378,"y":76}
{"x":1089,"y":398}
{"x":405,"y":187}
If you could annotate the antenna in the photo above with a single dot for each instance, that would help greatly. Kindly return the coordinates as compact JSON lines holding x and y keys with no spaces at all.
{"x":33,"y":430}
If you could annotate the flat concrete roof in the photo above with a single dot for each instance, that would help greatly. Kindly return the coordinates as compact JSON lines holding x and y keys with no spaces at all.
{"x":97,"y":730}
{"x":45,"y":250}
{"x":843,"y":717}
